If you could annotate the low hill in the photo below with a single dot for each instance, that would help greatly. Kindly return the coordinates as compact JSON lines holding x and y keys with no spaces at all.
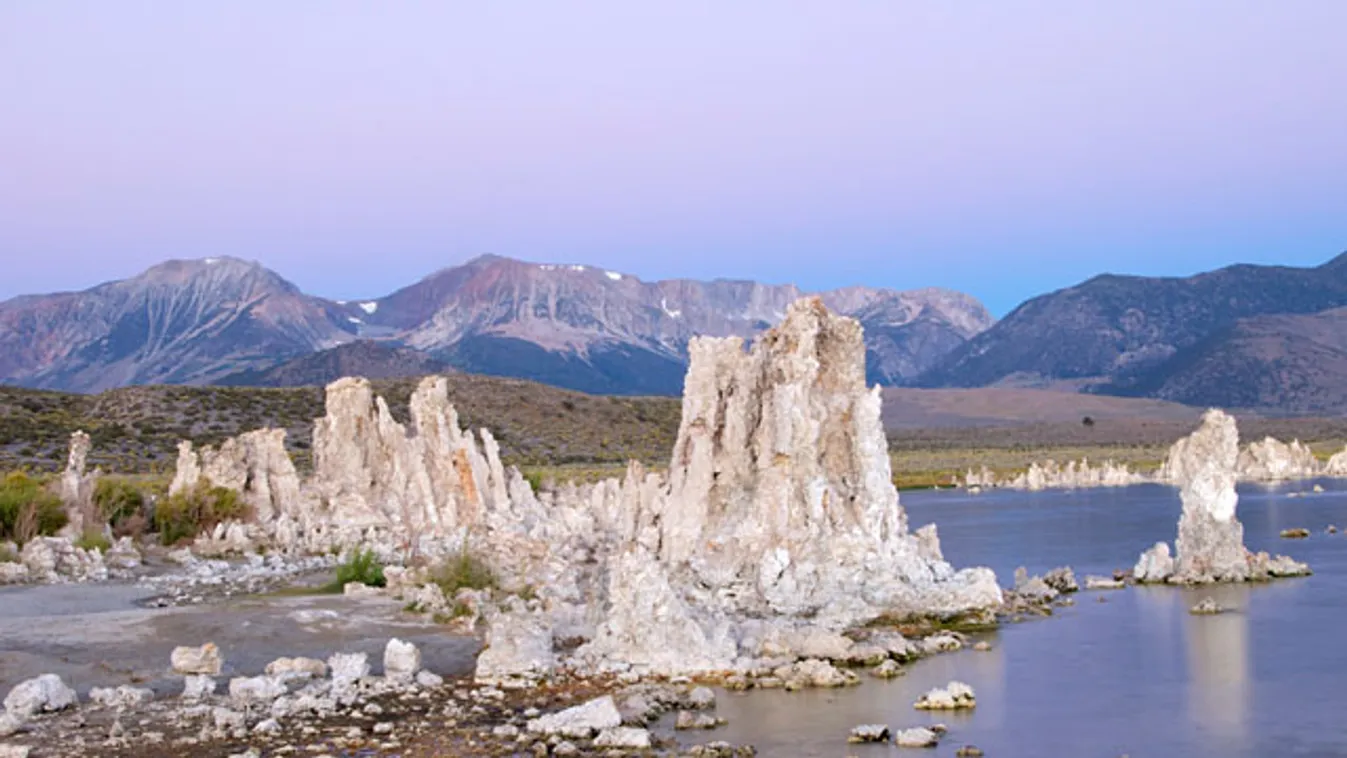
{"x":1112,"y":329}
{"x":1294,"y":364}
{"x":137,"y":429}
{"x":907,"y":408}
{"x":372,"y":360}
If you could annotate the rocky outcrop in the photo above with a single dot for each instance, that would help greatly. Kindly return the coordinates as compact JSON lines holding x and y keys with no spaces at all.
{"x":1272,"y":460}
{"x":1051,"y":475}
{"x":57,"y":559}
{"x":1210,"y":544}
{"x":1336,"y":465}
{"x":779,"y":506}
{"x":204,"y":660}
{"x":778,"y":513}
{"x":77,"y":487}
{"x":43,"y":694}
{"x":1269,"y":460}
{"x":255,"y":464}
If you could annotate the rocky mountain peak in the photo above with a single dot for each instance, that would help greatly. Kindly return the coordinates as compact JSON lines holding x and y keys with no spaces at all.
{"x":574,"y":325}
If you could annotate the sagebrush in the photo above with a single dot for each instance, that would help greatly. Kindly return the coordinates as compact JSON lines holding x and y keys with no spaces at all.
{"x":184,"y":515}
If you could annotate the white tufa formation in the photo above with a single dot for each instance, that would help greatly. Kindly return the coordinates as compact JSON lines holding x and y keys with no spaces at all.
{"x":77,"y":487}
{"x":1273,"y":460}
{"x":778,"y":512}
{"x":1210,"y":545}
{"x":1051,"y":475}
{"x":255,"y":464}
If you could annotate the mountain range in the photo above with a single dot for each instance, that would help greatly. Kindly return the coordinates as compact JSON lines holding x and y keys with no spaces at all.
{"x":1244,"y":336}
{"x":1269,"y":338}
{"x":229,"y":321}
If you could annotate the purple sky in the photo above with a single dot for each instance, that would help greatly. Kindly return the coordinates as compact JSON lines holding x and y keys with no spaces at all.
{"x":1002,"y":148}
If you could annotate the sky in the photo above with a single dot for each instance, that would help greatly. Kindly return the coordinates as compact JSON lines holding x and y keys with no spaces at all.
{"x":999,"y":147}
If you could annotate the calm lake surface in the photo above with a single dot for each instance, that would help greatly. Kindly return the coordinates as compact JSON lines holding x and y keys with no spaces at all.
{"x":1136,"y":675}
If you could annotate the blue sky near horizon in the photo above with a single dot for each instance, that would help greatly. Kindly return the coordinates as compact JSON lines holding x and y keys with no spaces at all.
{"x":1003,"y":148}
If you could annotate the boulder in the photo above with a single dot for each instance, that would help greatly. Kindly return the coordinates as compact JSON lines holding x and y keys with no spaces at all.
{"x":43,"y":694}
{"x":1154,"y":566}
{"x":1062,"y":579}
{"x":688,"y":720}
{"x":1206,"y":607}
{"x":205,"y":660}
{"x":953,"y":696}
{"x":256,"y":690}
{"x":623,"y":737}
{"x":918,"y":736}
{"x":889,"y":669}
{"x":1109,"y":583}
{"x":297,"y":667}
{"x":348,"y":668}
{"x":868,"y":733}
{"x":401,"y":660}
{"x":197,"y":687}
{"x":518,"y":646}
{"x":580,"y":722}
{"x":120,"y":697}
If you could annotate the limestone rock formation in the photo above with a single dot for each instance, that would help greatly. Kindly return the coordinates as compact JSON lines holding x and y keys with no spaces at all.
{"x":1272,"y":460}
{"x":76,"y":486}
{"x":1210,"y":544}
{"x":204,"y":660}
{"x":1337,"y":464}
{"x":780,"y":505}
{"x":1051,"y":475}
{"x":43,"y":694}
{"x":57,"y":559}
{"x":1154,"y":565}
{"x":255,"y":464}
{"x":778,"y":512}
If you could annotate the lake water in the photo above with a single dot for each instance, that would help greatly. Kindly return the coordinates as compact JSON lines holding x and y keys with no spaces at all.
{"x":1136,"y":675}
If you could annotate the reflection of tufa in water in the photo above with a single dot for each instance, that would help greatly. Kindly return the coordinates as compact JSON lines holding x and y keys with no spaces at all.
{"x":1210,"y":545}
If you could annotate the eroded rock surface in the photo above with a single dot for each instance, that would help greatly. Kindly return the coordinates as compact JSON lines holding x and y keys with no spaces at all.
{"x":1050,"y":474}
{"x":778,"y":513}
{"x":1210,"y":544}
{"x":1272,"y":460}
{"x":77,"y":487}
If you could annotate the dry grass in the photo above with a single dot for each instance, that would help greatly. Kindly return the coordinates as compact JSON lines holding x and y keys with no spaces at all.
{"x":136,"y":430}
{"x":557,"y":436}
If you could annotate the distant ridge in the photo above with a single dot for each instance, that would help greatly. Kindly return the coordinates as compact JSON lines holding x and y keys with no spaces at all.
{"x":573,"y":326}
{"x":1240,"y":336}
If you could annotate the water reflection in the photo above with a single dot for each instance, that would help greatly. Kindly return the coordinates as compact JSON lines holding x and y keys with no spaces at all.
{"x":1218,"y":664}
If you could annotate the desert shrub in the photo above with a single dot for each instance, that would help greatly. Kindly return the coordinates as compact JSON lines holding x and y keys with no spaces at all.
{"x":460,"y":570}
{"x":362,"y":566}
{"x":186,"y":514}
{"x":117,"y":500}
{"x":535,"y":480}
{"x":28,"y":508}
{"x":93,"y":540}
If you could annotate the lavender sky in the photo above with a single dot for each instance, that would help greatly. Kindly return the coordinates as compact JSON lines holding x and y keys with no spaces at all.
{"x":1003,"y":148}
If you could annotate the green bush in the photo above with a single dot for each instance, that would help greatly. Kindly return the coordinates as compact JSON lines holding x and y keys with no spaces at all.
{"x":117,"y":500}
{"x":28,"y":509}
{"x":92,"y":540}
{"x":463,"y":570}
{"x":362,"y":566}
{"x":7,"y":555}
{"x":187,"y":514}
